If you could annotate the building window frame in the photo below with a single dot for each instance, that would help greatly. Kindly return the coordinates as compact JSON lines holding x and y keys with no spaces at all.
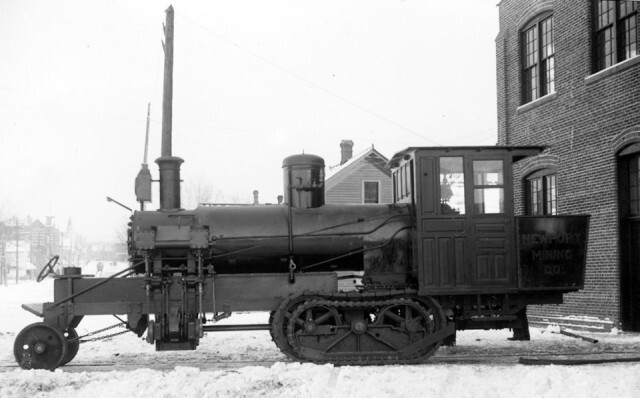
{"x":541,"y":189}
{"x":365,"y":197}
{"x":615,"y":32}
{"x":538,"y":57}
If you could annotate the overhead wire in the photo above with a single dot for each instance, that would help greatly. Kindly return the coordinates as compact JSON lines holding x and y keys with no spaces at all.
{"x":305,"y":80}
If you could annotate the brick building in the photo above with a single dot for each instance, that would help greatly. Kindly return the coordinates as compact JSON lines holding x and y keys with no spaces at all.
{"x":568,"y":77}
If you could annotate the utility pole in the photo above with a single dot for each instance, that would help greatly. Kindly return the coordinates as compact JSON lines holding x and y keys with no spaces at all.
{"x":143,"y":180}
{"x":17,"y":253}
{"x":146,"y":137}
{"x":62,"y":245}
{"x":3,"y":270}
{"x":3,"y":262}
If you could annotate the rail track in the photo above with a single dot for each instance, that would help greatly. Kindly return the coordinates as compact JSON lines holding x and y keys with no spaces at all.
{"x":502,"y":359}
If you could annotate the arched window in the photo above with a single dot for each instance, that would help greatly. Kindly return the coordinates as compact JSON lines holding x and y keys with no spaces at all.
{"x":629,"y":180}
{"x":542,"y":193}
{"x":538,"y":52}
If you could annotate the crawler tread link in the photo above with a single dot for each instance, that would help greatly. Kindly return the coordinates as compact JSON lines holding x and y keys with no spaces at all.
{"x":428,"y":326}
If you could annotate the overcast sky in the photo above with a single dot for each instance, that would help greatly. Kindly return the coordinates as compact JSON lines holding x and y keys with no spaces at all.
{"x":254,"y":82}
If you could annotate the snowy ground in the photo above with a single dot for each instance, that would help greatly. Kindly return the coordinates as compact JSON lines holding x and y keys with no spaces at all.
{"x":483,"y":364}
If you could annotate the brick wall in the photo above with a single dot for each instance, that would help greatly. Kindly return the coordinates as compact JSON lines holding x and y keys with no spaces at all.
{"x":588,"y":119}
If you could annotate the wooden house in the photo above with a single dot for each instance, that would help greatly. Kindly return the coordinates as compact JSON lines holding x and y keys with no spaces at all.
{"x":358,"y":179}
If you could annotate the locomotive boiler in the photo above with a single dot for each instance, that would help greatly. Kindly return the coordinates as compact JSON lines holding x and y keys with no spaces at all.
{"x":448,"y":254}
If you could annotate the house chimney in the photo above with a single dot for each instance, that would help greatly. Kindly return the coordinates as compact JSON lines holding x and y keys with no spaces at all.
{"x":255,"y":198}
{"x":346,"y":150}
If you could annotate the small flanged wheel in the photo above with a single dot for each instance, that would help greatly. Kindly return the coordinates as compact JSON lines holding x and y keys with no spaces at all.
{"x":73,"y":345}
{"x":48,"y":268}
{"x":40,"y":346}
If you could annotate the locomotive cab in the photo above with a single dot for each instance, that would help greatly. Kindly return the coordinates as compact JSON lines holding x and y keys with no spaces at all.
{"x":463,"y":200}
{"x":483,"y":262}
{"x":466,"y":235}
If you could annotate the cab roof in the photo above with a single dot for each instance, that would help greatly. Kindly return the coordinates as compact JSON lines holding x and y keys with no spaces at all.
{"x":517,"y":152}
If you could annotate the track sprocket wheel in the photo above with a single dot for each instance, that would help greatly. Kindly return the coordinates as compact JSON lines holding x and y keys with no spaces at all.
{"x":311,"y":324}
{"x":416,"y":320}
{"x":279,"y":320}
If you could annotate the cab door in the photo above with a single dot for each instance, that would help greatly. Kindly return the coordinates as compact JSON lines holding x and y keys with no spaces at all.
{"x":465,"y":232}
{"x":489,"y":220}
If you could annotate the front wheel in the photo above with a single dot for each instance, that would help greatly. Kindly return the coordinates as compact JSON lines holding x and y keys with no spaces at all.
{"x":40,"y":346}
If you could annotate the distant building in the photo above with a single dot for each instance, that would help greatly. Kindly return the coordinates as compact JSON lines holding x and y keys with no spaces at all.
{"x":45,"y":241}
{"x":360,"y":179}
{"x":19,"y":253}
{"x":568,"y":76}
{"x":29,"y":241}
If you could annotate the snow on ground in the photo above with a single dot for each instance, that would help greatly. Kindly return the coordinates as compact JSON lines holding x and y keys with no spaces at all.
{"x":182,"y":374}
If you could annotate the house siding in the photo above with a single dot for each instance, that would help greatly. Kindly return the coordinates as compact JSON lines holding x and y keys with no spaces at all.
{"x":584,"y":124}
{"x":349,"y":190}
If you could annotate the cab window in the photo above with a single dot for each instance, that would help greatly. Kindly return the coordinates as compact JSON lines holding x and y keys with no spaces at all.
{"x":488,"y":186}
{"x":452,"y":185}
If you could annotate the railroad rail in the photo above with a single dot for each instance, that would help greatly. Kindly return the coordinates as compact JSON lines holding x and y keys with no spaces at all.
{"x":519,"y":357}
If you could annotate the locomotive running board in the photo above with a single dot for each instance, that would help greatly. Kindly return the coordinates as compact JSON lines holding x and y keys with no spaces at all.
{"x":35,"y":309}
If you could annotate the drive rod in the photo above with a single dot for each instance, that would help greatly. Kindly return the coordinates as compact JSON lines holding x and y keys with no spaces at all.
{"x":229,"y":328}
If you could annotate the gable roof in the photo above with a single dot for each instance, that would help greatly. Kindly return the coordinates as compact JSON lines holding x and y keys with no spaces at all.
{"x":337,"y":173}
{"x":37,"y":224}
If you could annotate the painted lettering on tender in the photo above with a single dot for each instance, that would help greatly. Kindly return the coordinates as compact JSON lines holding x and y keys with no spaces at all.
{"x":551,"y":255}
{"x":550,"y":239}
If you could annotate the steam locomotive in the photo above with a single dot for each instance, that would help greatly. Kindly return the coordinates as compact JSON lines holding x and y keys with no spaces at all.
{"x":447,"y":255}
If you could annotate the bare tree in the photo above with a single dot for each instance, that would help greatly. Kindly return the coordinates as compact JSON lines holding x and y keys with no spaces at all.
{"x":199,"y":191}
{"x":121,"y":233}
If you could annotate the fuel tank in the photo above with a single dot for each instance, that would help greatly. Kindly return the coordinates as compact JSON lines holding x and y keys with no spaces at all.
{"x":261,"y":238}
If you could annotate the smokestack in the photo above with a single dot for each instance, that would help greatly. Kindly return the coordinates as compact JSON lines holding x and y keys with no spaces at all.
{"x":168,"y":164}
{"x":167,"y":94}
{"x":255,"y":198}
{"x":346,"y":151}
